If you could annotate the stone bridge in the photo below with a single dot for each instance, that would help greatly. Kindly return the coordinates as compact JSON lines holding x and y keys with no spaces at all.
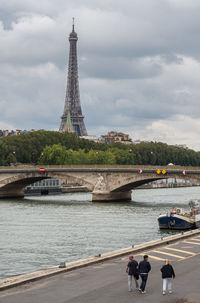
{"x":106,"y":184}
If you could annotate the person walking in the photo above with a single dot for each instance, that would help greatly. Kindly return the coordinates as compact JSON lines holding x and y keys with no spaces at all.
{"x":132,"y":270}
{"x":144,"y":269}
{"x":167,"y":274}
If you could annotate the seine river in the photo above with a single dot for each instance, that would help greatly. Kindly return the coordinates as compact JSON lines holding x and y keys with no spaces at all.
{"x":39,"y":232}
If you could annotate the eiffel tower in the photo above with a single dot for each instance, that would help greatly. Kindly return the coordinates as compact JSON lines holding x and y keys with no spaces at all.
{"x":72,"y":108}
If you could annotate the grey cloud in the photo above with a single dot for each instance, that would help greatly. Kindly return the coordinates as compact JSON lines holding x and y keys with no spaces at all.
{"x":119,"y":68}
{"x":172,"y":58}
{"x":33,"y":95}
{"x":138,"y":64}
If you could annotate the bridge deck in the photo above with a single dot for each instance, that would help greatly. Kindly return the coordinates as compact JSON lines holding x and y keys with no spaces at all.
{"x":127,"y":169}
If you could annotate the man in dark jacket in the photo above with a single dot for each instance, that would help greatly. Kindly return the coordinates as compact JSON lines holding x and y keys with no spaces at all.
{"x":132,"y":270}
{"x":167,"y":274}
{"x":144,"y":269}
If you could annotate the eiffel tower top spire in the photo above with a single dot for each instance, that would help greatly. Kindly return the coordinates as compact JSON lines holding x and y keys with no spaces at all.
{"x":72,"y":99}
{"x":73,"y":33}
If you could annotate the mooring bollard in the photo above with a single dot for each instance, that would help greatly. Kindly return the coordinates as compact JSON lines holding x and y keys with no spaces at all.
{"x":62,"y":265}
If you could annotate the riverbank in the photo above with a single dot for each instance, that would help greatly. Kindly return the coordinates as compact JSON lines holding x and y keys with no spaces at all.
{"x":171,"y":185}
{"x":105,"y":281}
{"x":74,"y":189}
{"x":80,"y":188}
{"x":65,"y":267}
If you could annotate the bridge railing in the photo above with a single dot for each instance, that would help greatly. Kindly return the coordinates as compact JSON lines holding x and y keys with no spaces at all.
{"x":146,"y":167}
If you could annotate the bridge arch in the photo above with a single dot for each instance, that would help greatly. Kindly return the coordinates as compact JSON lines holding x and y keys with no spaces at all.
{"x":134,"y":184}
{"x":14,"y":185}
{"x":130,"y":183}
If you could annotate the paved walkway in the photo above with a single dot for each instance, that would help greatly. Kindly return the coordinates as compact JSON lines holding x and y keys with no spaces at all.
{"x":107,"y":282}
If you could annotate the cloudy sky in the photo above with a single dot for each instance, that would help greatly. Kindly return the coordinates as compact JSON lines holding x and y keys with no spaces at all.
{"x":139,"y":66}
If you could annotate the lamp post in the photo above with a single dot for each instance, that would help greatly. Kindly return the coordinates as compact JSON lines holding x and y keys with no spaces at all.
{"x":14,"y":158}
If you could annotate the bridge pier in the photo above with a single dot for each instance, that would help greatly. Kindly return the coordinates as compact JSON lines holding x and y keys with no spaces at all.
{"x":11,"y":193}
{"x":111,"y":196}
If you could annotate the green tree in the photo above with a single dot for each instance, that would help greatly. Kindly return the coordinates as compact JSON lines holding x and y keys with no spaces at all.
{"x":11,"y":159}
{"x":28,"y":148}
{"x":123,"y":156}
{"x":92,"y":157}
{"x":52,"y":155}
{"x":79,"y":157}
{"x":3,"y":153}
{"x":109,"y":158}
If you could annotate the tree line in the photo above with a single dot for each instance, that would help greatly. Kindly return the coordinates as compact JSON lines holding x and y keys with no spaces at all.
{"x":54,"y":148}
{"x":58,"y":154}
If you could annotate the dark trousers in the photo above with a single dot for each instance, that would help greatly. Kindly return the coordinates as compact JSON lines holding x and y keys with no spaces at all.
{"x":144,"y":278}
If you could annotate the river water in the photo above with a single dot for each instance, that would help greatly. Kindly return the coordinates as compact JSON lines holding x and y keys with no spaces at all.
{"x":40,"y":232}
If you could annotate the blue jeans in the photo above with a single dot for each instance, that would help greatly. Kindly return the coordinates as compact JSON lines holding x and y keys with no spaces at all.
{"x":144,"y":281}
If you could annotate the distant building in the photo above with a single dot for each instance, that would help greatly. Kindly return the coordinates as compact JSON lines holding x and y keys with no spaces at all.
{"x":46,"y":183}
{"x":18,"y":131}
{"x":181,"y":146}
{"x":44,"y":187}
{"x":111,"y":137}
{"x":116,"y":137}
{"x":137,"y":142}
{"x":5,"y":133}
